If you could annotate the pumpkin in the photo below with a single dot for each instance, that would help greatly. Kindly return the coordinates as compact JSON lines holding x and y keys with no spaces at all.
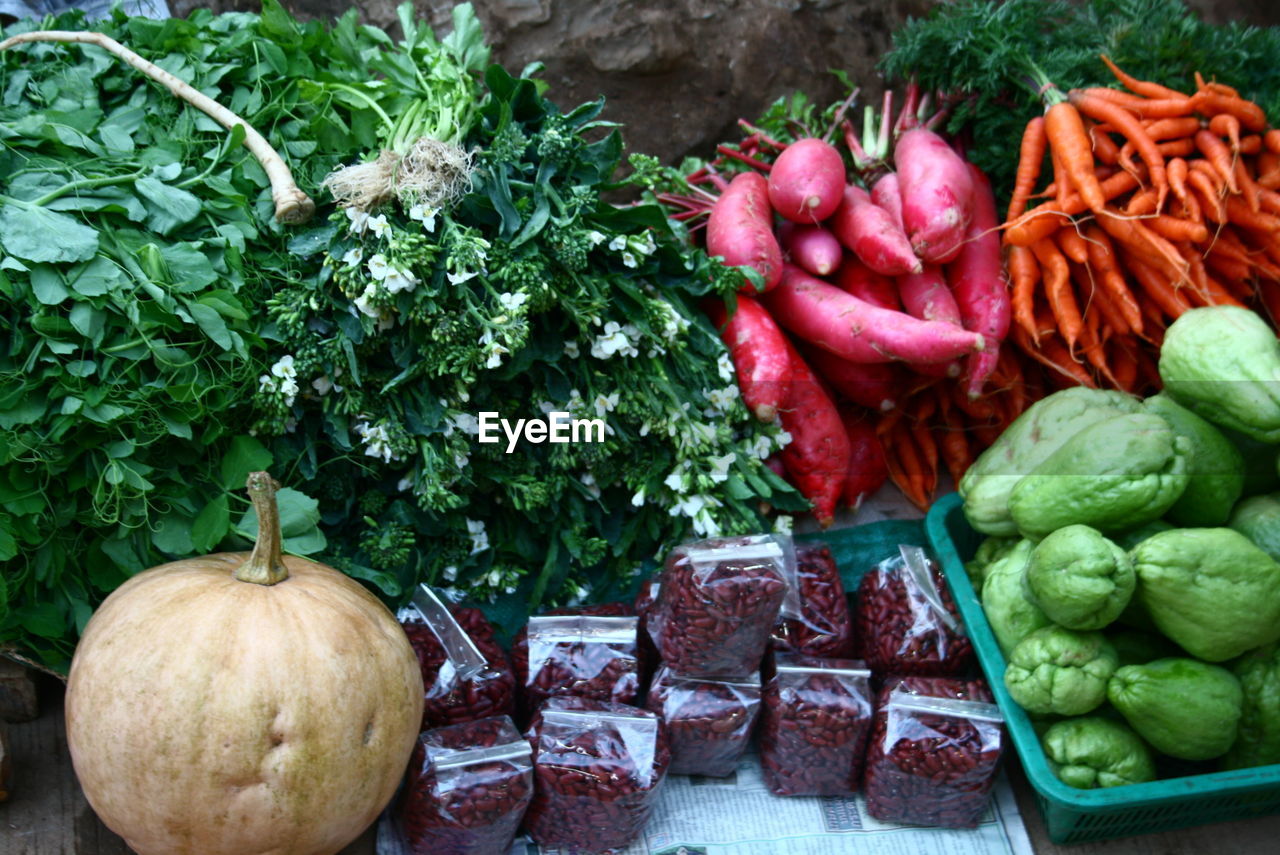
{"x":242,"y":704}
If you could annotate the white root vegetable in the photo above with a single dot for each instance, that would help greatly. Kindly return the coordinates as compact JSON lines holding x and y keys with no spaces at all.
{"x":292,"y":205}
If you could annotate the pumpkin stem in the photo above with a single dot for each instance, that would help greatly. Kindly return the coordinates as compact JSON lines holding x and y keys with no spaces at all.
{"x":265,"y":565}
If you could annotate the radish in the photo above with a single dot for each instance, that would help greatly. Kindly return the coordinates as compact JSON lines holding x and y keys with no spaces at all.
{"x":864,"y":283}
{"x":978,"y":283}
{"x":740,"y":229}
{"x":937,"y":193}
{"x":806,"y":181}
{"x":868,"y":469}
{"x":888,"y":195}
{"x":824,"y":315}
{"x":871,"y":233}
{"x":812,"y":248}
{"x":817,"y":458}
{"x":925,"y":295}
{"x":759,"y":352}
{"x":874,"y":385}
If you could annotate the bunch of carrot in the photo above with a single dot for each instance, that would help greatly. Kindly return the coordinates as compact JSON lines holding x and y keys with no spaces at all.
{"x":873,"y":307}
{"x":1159,"y":201}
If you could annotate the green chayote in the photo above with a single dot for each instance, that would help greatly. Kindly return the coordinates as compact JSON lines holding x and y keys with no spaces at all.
{"x":1113,"y":475}
{"x":1210,"y":590}
{"x":1258,"y":518}
{"x":1060,"y":671}
{"x":1215,"y":467}
{"x":989,"y":551}
{"x":1032,"y":437}
{"x":1080,"y":579}
{"x":1097,"y":752}
{"x":1223,"y":362}
{"x":1004,"y":599}
{"x":1258,"y":742}
{"x":1185,"y":708}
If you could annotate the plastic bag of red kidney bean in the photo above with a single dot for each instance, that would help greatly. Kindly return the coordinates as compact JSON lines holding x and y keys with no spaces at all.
{"x":817,"y":623}
{"x":934,"y":751}
{"x":717,"y":603}
{"x":583,"y":655}
{"x":817,"y":714}
{"x":447,"y":643}
{"x":598,"y":767}
{"x":709,"y":722}
{"x":907,"y":621}
{"x":467,"y":789}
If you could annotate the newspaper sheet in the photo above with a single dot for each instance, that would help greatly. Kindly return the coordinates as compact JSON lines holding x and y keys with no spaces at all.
{"x":739,"y":816}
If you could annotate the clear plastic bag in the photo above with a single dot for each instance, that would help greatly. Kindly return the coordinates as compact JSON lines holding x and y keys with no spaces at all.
{"x":598,"y":767}
{"x":817,"y":715}
{"x":934,"y":752}
{"x":907,"y":622}
{"x":467,"y":789}
{"x":816,"y":621}
{"x":588,"y":656}
{"x":466,"y":674}
{"x":709,"y":722}
{"x":718,"y":602}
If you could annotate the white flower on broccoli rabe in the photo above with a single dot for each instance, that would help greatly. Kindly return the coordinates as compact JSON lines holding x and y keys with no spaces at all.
{"x":605,"y":404}
{"x":377,"y":442}
{"x":399,"y":280}
{"x":571,"y":349}
{"x":479,"y":537}
{"x":512,"y":302}
{"x":720,"y":467}
{"x":613,"y":340}
{"x":424,"y":215}
{"x":359,"y":220}
{"x":724,"y":365}
{"x":379,"y":225}
{"x":379,"y":267}
{"x":353,"y":256}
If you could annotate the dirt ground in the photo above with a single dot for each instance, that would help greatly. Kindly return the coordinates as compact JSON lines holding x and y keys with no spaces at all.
{"x":678,"y":73}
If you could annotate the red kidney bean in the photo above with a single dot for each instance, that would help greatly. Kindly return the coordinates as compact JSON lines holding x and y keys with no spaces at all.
{"x":900,"y":631}
{"x":817,"y":713}
{"x":929,"y":767}
{"x":823,"y":627}
{"x":563,"y":657}
{"x":463,"y":803}
{"x":598,"y":767}
{"x":449,"y":699}
{"x":709,"y":722}
{"x":714,"y":612}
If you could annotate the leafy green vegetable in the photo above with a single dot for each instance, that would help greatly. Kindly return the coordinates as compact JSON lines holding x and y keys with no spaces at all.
{"x":976,"y":48}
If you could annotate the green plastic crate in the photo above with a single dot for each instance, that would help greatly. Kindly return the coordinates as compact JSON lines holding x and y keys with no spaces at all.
{"x":1072,"y":815}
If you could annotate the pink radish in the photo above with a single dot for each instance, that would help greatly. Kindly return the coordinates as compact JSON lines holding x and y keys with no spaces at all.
{"x":812,"y":248}
{"x":806,"y":181}
{"x":817,"y":458}
{"x":824,"y":315}
{"x":864,"y":283}
{"x":937,"y":194}
{"x":871,"y":233}
{"x":978,"y":282}
{"x":874,"y":385}
{"x":740,"y":229}
{"x":868,"y":469}
{"x":888,"y":195}
{"x":759,"y":352}
{"x":925,"y":295}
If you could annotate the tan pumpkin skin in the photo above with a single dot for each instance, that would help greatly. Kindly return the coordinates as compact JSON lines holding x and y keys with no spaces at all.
{"x":209,"y":716}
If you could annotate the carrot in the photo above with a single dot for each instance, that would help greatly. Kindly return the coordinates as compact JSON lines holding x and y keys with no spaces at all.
{"x":1129,"y":126}
{"x":1211,"y":103}
{"x":1061,"y":183}
{"x":1133,"y":234}
{"x":1215,"y":86}
{"x":1269,"y":200}
{"x":1064,"y":129}
{"x":953,"y":443}
{"x":1051,"y":354}
{"x":1176,"y":229}
{"x":1072,"y":245}
{"x":1248,"y":187}
{"x":1057,"y":286}
{"x":1162,"y":130}
{"x":1252,"y":144}
{"x":1045,"y":219}
{"x":1030,"y":159}
{"x":1104,"y":148}
{"x":1087,"y":285}
{"x":1218,"y":157}
{"x":1177,"y":172}
{"x":1269,"y":170}
{"x":759,"y":352}
{"x":1241,"y":214}
{"x":1233,"y":269}
{"x":1138,"y":107}
{"x":1093,"y":352}
{"x":1206,"y":192}
{"x":1024,"y":274}
{"x":1224,"y":125}
{"x":1271,"y":139}
{"x":1269,"y":294}
{"x":1141,"y":203}
{"x":1170,"y":300}
{"x":1177,"y":148}
{"x":1102,"y":258}
{"x":1141,"y":87}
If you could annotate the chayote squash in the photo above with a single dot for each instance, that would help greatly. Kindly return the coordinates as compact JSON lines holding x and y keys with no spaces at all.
{"x":1032,"y":437}
{"x":1185,"y":708}
{"x":1258,"y":742}
{"x":1097,"y":752}
{"x":1080,"y":579}
{"x":1258,"y":518}
{"x":1210,"y":590}
{"x":1009,"y":611}
{"x":1223,"y":362}
{"x":1258,"y":477}
{"x":1215,"y":466}
{"x":1113,"y":475}
{"x":1060,"y":671}
{"x":989,"y":551}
